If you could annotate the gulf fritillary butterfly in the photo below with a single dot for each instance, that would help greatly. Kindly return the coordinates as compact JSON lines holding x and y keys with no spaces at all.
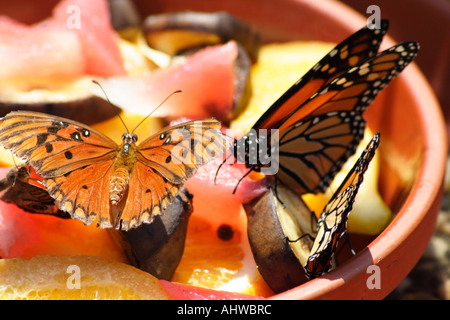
{"x":92,"y":177}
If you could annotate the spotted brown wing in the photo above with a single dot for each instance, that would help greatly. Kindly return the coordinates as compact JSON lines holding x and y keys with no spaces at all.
{"x":52,"y":145}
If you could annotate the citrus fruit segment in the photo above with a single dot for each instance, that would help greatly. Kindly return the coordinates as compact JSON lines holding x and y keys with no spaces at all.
{"x":214,"y":263}
{"x":75,"y":277}
{"x":7,"y":159}
{"x":217,"y":254}
{"x":278,"y":67}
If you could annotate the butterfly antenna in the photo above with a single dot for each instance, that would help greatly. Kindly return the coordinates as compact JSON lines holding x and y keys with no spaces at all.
{"x":14,"y":160}
{"x":107,"y":99}
{"x":242,"y":178}
{"x":220,"y":166}
{"x":167,"y":98}
{"x":15,"y":166}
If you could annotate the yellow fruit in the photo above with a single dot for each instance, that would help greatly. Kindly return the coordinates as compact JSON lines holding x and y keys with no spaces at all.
{"x":279,"y":66}
{"x":114,"y":128}
{"x":214,"y":263}
{"x":135,"y":63}
{"x":75,"y":277}
{"x":7,"y":159}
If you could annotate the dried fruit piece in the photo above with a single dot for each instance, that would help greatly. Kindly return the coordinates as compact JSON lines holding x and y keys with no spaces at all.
{"x":272,"y":232}
{"x":157,"y":247}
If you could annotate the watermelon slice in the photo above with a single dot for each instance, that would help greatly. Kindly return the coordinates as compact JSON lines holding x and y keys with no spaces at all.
{"x":90,"y":21}
{"x":210,"y":204}
{"x":38,"y":54}
{"x":206,"y":79}
{"x":77,"y":40}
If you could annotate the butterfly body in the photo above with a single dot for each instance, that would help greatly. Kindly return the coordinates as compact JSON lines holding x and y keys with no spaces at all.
{"x":253,"y":149}
{"x":92,"y":177}
{"x":124,"y":162}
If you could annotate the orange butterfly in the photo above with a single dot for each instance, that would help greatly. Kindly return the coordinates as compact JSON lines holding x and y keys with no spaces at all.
{"x":91,"y":177}
{"x":28,"y":193}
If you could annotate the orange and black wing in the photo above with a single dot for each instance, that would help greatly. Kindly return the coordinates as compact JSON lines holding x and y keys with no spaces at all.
{"x":52,"y":145}
{"x":164,"y":162}
{"x":20,"y":190}
{"x":177,"y":152}
{"x":317,"y":139}
{"x":332,"y":223}
{"x":311,"y":152}
{"x":320,"y":118}
{"x":74,"y":160}
{"x":359,"y":46}
{"x":356,"y":88}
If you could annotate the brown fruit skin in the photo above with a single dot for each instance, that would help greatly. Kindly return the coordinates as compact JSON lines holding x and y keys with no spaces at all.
{"x":88,"y":109}
{"x":274,"y":258}
{"x":157,"y":247}
{"x":223,"y":25}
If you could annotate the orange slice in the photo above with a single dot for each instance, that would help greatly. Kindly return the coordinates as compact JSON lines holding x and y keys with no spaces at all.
{"x":220,"y":259}
{"x":75,"y":277}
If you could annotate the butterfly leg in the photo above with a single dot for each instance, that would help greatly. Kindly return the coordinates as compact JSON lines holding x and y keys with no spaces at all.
{"x":220,"y":166}
{"x":276,"y":193}
{"x":347,"y":241}
{"x":349,"y":244}
{"x":301,"y":237}
{"x":246,"y":174}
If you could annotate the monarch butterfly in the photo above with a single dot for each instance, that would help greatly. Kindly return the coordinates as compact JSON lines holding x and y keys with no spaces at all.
{"x":318,"y":121}
{"x":91,"y":177}
{"x":332,"y":223}
{"x":31,"y":197}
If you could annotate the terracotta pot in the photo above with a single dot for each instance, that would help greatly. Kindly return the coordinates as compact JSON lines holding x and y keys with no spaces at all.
{"x":413,"y":147}
{"x":428,"y":22}
{"x":406,"y":113}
